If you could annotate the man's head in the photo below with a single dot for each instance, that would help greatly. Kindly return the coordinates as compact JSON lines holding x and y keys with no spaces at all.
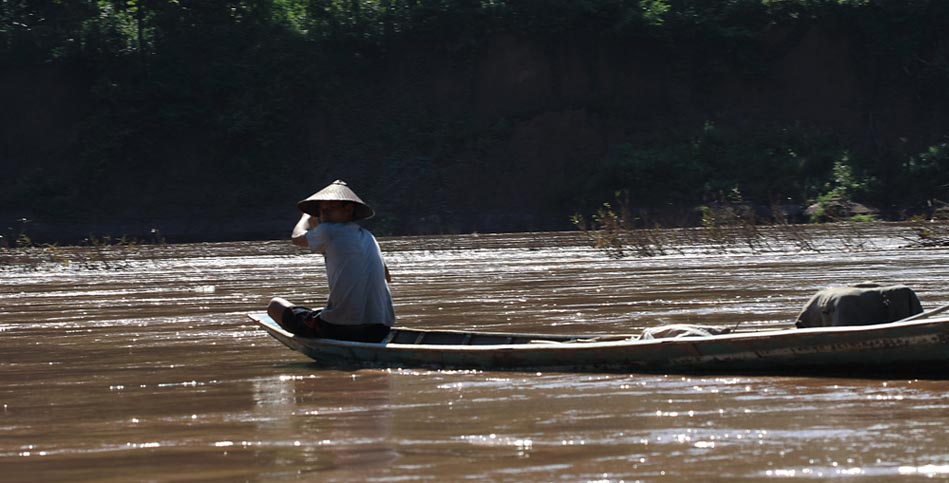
{"x":337,"y":191}
{"x":336,"y":211}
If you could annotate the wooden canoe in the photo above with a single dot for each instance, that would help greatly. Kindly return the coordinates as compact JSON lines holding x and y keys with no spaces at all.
{"x":916,"y":347}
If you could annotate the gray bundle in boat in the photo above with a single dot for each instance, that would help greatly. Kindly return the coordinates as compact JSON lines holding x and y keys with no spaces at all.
{"x":861,"y":304}
{"x":676,"y":331}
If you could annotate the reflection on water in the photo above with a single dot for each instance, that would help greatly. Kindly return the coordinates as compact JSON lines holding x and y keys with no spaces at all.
{"x":330,"y":432}
{"x":144,"y":368}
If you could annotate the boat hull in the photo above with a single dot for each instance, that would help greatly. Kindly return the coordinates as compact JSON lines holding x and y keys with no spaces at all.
{"x":915,"y":348}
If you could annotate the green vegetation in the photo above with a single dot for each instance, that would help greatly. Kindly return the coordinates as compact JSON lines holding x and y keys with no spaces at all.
{"x":92,"y":253}
{"x":763,"y":162}
{"x":732,"y":226}
{"x":134,"y":108}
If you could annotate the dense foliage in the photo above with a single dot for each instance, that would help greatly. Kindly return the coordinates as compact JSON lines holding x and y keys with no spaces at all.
{"x":129,"y":107}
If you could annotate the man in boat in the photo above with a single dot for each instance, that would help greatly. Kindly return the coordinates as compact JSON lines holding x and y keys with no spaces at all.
{"x":359,"y":305}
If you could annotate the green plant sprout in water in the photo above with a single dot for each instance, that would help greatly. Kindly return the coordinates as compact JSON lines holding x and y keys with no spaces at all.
{"x":729,"y":225}
{"x":613,"y":232}
{"x":93,"y":253}
{"x":930,"y":233}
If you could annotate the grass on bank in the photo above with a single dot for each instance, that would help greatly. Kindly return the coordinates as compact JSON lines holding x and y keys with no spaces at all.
{"x":17,"y":249}
{"x":733,"y":226}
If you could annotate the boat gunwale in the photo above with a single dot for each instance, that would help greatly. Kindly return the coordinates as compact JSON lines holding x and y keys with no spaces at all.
{"x":632,"y":340}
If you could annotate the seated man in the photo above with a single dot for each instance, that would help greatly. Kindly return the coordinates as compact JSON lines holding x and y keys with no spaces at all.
{"x":359,"y":306}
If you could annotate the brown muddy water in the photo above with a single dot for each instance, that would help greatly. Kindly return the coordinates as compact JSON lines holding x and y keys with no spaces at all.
{"x":138,"y":364}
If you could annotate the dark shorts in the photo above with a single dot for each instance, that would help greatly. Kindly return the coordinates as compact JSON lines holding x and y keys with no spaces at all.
{"x":307,"y":323}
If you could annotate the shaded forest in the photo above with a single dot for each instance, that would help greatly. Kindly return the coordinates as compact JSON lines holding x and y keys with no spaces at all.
{"x":208,"y":120}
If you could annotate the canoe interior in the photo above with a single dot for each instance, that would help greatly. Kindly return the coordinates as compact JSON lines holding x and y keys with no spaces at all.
{"x":462,"y":338}
{"x":448,"y":337}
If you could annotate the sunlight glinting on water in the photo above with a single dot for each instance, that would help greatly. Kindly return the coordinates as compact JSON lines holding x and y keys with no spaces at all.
{"x":144,"y":363}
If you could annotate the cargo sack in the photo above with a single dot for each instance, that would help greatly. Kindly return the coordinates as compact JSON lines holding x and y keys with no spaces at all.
{"x":676,"y":331}
{"x":862,"y":304}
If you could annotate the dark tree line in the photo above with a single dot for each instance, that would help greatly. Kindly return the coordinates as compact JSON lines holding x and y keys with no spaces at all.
{"x":118,"y":108}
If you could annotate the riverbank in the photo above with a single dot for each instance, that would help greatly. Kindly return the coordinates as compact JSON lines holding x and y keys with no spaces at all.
{"x":184,"y":229}
{"x":275,"y":223}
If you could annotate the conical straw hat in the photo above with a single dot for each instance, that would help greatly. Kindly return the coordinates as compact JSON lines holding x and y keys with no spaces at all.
{"x":336,"y":191}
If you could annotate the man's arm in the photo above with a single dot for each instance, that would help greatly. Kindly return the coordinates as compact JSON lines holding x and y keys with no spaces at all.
{"x":306,"y":223}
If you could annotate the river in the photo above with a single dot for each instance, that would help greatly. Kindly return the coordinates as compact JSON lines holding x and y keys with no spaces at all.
{"x":137,"y":363}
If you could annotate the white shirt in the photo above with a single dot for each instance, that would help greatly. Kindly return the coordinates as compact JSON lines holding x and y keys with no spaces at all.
{"x":355,"y":270}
